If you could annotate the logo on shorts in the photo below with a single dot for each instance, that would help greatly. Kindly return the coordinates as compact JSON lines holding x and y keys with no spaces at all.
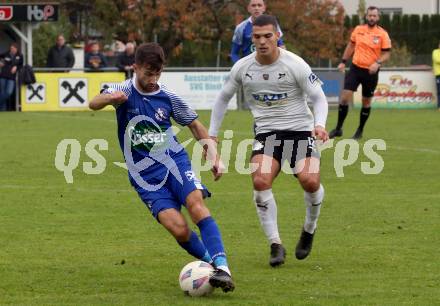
{"x":190,"y":175}
{"x":257,"y":145}
{"x":311,"y":143}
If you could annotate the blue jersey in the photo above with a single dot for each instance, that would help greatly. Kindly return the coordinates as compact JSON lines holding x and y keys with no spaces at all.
{"x":149,"y":145}
{"x":242,"y":40}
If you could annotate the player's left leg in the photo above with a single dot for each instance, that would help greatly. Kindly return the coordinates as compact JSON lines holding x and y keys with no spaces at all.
{"x":369,"y":84}
{"x":309,"y":178}
{"x":173,"y":220}
{"x":211,"y":238}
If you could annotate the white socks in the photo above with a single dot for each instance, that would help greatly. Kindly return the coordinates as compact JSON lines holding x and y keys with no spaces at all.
{"x":313,"y":202}
{"x":267,"y":212}
{"x":224,"y":268}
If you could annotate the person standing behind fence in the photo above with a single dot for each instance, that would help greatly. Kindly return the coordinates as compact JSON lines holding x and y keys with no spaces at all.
{"x":95,"y":60}
{"x":370,"y":46}
{"x":60,"y":55}
{"x":242,"y":40}
{"x":126,"y":60}
{"x":10,"y":62}
{"x":436,"y":68}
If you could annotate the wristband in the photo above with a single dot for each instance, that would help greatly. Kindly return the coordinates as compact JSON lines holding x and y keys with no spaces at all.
{"x":343,"y":61}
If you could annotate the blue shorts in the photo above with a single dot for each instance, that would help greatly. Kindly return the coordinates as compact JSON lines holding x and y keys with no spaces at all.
{"x":174,"y":191}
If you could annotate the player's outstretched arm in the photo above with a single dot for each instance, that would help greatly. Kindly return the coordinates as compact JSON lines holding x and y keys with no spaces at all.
{"x":102,"y":100}
{"x":209,"y":146}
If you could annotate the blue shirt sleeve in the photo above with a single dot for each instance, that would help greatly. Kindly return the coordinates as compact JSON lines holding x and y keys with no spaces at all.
{"x":182,"y":113}
{"x":125,"y":87}
{"x":280,"y":42}
{"x":235,"y":52}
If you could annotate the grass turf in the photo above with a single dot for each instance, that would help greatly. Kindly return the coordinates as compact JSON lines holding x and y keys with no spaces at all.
{"x":93,"y":242}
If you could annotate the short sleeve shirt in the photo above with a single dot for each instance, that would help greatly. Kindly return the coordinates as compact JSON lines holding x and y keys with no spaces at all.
{"x":369,"y":44}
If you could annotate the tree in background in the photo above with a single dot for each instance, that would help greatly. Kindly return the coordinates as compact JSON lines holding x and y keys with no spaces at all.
{"x":44,"y":37}
{"x":362,"y":9}
{"x":313,"y":29}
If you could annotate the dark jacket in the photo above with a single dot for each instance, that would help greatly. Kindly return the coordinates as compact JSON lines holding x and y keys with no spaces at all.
{"x":60,"y":57}
{"x":124,"y":60}
{"x":10,"y":61}
{"x":98,"y":58}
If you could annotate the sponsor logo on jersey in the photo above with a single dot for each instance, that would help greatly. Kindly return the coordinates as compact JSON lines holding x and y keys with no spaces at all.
{"x":376,"y":40}
{"x":270,"y":99}
{"x":144,"y":136}
{"x":160,"y":114}
{"x":281,"y":75}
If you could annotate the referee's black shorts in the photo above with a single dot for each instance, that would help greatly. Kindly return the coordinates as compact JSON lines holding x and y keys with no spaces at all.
{"x":357,"y":75}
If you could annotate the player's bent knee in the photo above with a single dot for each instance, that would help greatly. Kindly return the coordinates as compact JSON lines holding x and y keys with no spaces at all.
{"x":197,"y":210}
{"x":310,"y":183}
{"x":181,"y":232}
{"x":261,"y":183}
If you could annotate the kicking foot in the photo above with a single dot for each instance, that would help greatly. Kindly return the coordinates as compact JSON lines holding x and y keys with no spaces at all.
{"x":277,"y":254}
{"x":304,"y":245}
{"x":221,"y":279}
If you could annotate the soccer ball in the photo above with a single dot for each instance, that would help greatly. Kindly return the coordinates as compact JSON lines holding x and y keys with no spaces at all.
{"x":194,"y":278}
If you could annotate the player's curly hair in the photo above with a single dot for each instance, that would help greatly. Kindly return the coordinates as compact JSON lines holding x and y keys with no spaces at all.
{"x":150,"y":54}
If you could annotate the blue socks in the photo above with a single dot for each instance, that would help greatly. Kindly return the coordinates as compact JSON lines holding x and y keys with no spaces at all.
{"x":196,"y":248}
{"x":213,"y":241}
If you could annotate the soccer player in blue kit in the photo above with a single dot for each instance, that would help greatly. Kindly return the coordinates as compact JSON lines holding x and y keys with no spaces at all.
{"x":159,"y":168}
{"x":242,"y":44}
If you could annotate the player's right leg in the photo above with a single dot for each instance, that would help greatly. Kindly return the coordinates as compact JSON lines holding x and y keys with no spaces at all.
{"x":369,"y":83}
{"x":166,"y":210}
{"x":212,"y":239}
{"x":309,"y":178}
{"x":346,"y":100}
{"x":267,"y":168}
{"x":351,"y":83}
{"x":173,"y":220}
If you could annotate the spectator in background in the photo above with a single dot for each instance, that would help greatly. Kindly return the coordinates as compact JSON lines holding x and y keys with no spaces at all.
{"x":436,"y":68}
{"x":242,"y":40}
{"x":10,"y":62}
{"x":95,"y":60}
{"x":60,"y":55}
{"x":126,"y":60}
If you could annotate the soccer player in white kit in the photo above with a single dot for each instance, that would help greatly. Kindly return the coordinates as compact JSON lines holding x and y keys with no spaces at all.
{"x":277,"y":85}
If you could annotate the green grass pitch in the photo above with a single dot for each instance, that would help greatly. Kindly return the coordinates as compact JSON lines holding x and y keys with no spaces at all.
{"x":94,"y":243}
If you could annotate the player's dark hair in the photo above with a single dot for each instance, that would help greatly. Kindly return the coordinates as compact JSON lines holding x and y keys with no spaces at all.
{"x":150,"y":54}
{"x":372,"y":8}
{"x":263,"y":20}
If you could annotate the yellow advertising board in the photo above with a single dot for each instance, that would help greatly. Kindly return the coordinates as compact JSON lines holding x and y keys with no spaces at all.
{"x":66,"y":91}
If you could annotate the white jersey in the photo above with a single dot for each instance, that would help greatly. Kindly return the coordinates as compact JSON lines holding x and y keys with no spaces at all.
{"x":276,"y":94}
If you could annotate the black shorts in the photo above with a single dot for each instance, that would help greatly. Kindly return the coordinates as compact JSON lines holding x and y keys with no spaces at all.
{"x":292,"y":146}
{"x":357,"y":75}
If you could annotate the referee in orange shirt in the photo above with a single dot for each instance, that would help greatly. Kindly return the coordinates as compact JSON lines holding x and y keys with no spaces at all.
{"x":370,"y":46}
